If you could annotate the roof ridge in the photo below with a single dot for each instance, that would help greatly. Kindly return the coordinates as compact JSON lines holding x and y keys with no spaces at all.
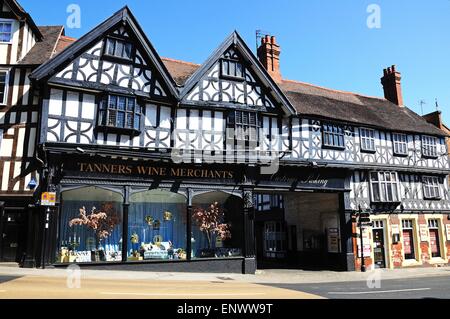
{"x":333,"y":90}
{"x":180,"y":61}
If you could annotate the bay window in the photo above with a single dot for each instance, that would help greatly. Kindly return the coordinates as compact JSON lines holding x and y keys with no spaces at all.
{"x":120,"y":112}
{"x":384,"y":187}
{"x":431,"y":187}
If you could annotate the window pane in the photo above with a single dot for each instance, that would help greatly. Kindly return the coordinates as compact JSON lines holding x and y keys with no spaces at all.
{"x":110,"y":46}
{"x":99,"y":240}
{"x":113,"y":102}
{"x":129,"y":120}
{"x":121,"y":103}
{"x":239,"y":71}
{"x":120,"y":119}
{"x":112,"y":117}
{"x":127,"y":51}
{"x":157,"y":226}
{"x":119,"y":49}
{"x":376,"y":192}
{"x":137,"y":121}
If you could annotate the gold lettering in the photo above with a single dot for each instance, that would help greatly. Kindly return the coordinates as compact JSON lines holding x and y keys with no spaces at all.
{"x":142,"y":170}
{"x":190,"y":173}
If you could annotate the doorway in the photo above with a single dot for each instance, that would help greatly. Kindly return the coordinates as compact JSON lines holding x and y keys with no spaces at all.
{"x":379,"y":244}
{"x":13,"y":235}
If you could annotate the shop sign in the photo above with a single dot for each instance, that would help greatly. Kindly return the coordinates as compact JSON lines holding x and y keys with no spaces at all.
{"x":447,"y":228}
{"x":423,"y":230}
{"x":395,"y":229}
{"x":48,"y":199}
{"x":367,"y":250}
{"x":333,"y":240}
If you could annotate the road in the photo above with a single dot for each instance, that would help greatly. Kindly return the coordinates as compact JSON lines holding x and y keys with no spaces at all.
{"x":38,"y":287}
{"x":409,"y":288}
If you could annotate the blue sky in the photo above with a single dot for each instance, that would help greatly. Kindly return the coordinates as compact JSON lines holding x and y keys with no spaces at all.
{"x":324,"y":42}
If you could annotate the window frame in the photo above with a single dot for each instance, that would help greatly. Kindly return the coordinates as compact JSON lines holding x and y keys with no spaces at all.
{"x":383,"y":187}
{"x":125,"y":41}
{"x":399,"y":143}
{"x":340,"y":132}
{"x":10,"y":21}
{"x":367,"y":139}
{"x":230,"y":76}
{"x":246,"y":126}
{"x":427,"y":146}
{"x":5,"y":96}
{"x":435,"y":185}
{"x":103,"y":117}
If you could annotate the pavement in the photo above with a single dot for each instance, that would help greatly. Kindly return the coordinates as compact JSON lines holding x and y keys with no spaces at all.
{"x":73,"y":283}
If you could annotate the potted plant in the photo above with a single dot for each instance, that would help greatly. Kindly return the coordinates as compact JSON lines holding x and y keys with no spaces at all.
{"x":102,"y":222}
{"x":210,"y":223}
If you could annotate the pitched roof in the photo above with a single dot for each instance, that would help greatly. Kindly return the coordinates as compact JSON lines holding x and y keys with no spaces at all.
{"x":332,"y":104}
{"x":45,"y":49}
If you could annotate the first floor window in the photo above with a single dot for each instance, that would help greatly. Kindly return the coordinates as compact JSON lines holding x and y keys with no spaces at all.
{"x":3,"y":86}
{"x":333,"y":136}
{"x":400,"y":144}
{"x":367,"y":139}
{"x":384,"y":187}
{"x":6,"y":31}
{"x":431,"y":187}
{"x":408,"y":239}
{"x":435,"y":243}
{"x":120,"y":112}
{"x":246,"y":126}
{"x":429,"y":146}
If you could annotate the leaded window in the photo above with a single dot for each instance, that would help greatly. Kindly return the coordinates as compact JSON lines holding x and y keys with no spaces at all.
{"x":429,"y":146}
{"x":400,"y":144}
{"x":120,"y":112}
{"x":118,"y":48}
{"x":333,"y":136}
{"x":367,"y":139}
{"x":431,"y":187}
{"x":6,"y":31}
{"x":384,"y":187}
{"x":246,"y":126}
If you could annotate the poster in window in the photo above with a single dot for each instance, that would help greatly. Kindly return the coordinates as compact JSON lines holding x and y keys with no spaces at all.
{"x":407,"y":242}
{"x":333,"y":240}
{"x":423,"y":229}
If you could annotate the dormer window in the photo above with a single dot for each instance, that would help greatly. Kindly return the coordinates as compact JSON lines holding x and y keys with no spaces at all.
{"x":118,"y":48}
{"x":120,"y":113}
{"x":232,"y":69}
{"x":5,"y":31}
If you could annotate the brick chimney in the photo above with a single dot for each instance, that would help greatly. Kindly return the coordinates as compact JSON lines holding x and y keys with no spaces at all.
{"x":435,"y":118}
{"x":391,"y":81}
{"x":269,"y":56}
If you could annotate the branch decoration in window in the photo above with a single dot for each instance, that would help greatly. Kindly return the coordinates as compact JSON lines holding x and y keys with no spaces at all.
{"x":384,"y":187}
{"x":120,"y":112}
{"x":118,"y":48}
{"x":333,"y":136}
{"x":367,"y":139}
{"x":400,"y":143}
{"x":431,"y":187}
{"x":429,"y":146}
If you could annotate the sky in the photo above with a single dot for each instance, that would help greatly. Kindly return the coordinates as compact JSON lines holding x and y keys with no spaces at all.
{"x":324,"y":42}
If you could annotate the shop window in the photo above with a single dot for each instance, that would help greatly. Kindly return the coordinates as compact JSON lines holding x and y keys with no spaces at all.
{"x":3,"y":86}
{"x":232,"y":69}
{"x":435,"y":243}
{"x":217,"y":225}
{"x":157,"y":226}
{"x":120,"y":112}
{"x":408,"y":239}
{"x":90,"y":226}
{"x":333,"y":136}
{"x":384,"y":187}
{"x":431,"y":187}
{"x":429,"y":146}
{"x":6,"y":31}
{"x":367,"y":137}
{"x":400,"y":142}
{"x":118,"y":48}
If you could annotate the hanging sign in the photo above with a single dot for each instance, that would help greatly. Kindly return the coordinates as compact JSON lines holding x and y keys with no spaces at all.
{"x":423,"y":230}
{"x":48,"y":199}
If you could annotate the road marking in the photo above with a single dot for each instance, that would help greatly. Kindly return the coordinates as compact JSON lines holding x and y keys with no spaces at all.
{"x":376,"y":292}
{"x":177,"y":295}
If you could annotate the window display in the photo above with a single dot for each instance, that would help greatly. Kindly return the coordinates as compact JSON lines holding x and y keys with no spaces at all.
{"x":157,"y":226}
{"x":90,"y":226}
{"x":216,"y":225}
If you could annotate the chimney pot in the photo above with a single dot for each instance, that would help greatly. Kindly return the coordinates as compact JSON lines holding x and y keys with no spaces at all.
{"x":273,"y":40}
{"x":392,"y":87}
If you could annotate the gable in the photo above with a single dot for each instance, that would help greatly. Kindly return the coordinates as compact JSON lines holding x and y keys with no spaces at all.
{"x":88,"y":63}
{"x":233,"y":77}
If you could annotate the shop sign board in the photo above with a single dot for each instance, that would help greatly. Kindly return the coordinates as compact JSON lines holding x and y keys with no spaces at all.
{"x":48,"y":199}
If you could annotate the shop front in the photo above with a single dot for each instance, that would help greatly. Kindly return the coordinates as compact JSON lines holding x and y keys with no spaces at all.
{"x":145,"y":215}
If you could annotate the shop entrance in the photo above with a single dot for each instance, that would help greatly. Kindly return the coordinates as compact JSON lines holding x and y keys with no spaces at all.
{"x":298,"y":230}
{"x":13,"y":234}
{"x":379,"y":243}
